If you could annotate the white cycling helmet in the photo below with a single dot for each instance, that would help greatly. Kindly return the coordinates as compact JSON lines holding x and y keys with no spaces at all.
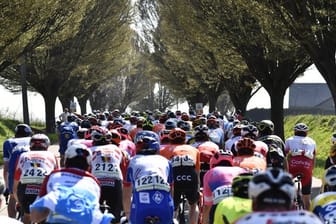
{"x":333,"y":138}
{"x":79,"y":150}
{"x":272,"y":180}
{"x":330,"y":178}
{"x":301,"y":127}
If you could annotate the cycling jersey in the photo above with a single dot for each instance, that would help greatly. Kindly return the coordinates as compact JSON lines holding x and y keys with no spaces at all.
{"x":216,"y":135}
{"x":108,"y":165}
{"x":11,"y":143}
{"x":217,"y":183}
{"x":72,"y":195}
{"x":66,"y":131}
{"x":18,"y":150}
{"x":323,"y":205}
{"x":253,"y":163}
{"x":87,"y":142}
{"x":231,"y":142}
{"x":31,"y":169}
{"x":230,"y":209}
{"x":295,"y":216}
{"x":128,"y":146}
{"x":301,"y":155}
{"x":151,"y":177}
{"x":186,"y":167}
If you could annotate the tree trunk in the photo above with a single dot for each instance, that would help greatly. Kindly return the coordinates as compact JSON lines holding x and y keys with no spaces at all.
{"x":277,"y":111}
{"x":212,"y":98}
{"x":50,"y":100}
{"x":65,"y":100}
{"x":327,"y":70}
{"x":82,"y":104}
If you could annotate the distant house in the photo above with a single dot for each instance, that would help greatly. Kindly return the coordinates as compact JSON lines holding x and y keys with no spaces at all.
{"x":310,"y":96}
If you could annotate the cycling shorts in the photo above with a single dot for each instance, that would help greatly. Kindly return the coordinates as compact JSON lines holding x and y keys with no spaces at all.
{"x":113,"y":197}
{"x":186,"y":182}
{"x":27,"y":193}
{"x":152,"y":203}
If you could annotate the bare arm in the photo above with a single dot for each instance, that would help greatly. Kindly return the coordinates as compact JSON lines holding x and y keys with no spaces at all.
{"x":38,"y":215}
{"x":127,"y":194}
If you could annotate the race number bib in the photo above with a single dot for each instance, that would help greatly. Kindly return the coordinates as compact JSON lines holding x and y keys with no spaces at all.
{"x":150,"y":183}
{"x":107,"y":170}
{"x":33,"y":175}
{"x":184,"y":160}
{"x":220,"y":193}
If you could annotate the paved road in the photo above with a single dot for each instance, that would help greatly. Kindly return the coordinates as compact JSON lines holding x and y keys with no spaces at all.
{"x":54,"y":148}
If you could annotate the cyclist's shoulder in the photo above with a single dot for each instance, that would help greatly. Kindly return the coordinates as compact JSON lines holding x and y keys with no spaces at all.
{"x":295,"y":216}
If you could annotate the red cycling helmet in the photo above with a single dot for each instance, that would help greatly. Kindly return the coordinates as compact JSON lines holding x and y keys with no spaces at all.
{"x":177,"y":134}
{"x":222,"y":157}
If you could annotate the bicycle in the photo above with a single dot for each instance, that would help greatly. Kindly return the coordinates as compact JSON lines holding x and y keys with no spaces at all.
{"x":152,"y":220}
{"x":298,"y":201}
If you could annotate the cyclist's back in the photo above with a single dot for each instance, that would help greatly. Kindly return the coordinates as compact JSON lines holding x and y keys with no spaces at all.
{"x":71,"y":194}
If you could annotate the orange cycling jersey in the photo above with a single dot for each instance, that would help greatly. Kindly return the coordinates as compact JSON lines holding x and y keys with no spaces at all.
{"x":181,"y":150}
{"x":250,"y":162}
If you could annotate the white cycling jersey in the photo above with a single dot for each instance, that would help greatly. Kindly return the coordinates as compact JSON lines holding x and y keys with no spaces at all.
{"x":288,"y":217}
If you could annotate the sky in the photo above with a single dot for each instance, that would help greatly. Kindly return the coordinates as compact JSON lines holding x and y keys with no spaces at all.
{"x":11,"y":104}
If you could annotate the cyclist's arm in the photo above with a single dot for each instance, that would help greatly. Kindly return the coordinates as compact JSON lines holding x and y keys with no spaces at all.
{"x":127,"y":194}
{"x":38,"y":215}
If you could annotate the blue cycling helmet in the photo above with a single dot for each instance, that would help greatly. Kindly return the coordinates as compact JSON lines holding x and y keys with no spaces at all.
{"x":170,"y":124}
{"x":147,"y":142}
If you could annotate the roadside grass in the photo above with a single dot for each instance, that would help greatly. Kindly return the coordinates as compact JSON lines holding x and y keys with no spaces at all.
{"x":7,"y":127}
{"x":321,"y":128}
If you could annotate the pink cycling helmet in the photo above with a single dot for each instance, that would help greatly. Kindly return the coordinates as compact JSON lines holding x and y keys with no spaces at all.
{"x":222,"y":157}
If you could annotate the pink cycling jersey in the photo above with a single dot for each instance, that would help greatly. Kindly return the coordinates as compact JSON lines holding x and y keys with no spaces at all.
{"x":217,"y":183}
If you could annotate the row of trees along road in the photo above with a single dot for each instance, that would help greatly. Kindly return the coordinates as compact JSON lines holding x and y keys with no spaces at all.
{"x":202,"y":50}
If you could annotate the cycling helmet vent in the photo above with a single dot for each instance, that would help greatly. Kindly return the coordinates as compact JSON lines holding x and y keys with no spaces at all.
{"x":23,"y":130}
{"x":245,"y":146}
{"x":250,"y":131}
{"x":240,"y":185}
{"x":39,"y":142}
{"x":221,"y":157}
{"x":177,"y":134}
{"x":301,"y":127}
{"x":265,"y":125}
{"x":330,"y":176}
{"x":78,"y":150}
{"x":273,"y":179}
{"x":147,"y":141}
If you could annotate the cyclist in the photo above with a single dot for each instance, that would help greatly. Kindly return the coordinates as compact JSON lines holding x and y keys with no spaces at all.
{"x":216,"y":133}
{"x":272,"y":193}
{"x":186,"y":167}
{"x":236,"y":135}
{"x":233,"y":207}
{"x":66,"y":131}
{"x":205,"y":146}
{"x":276,"y":155}
{"x":30,"y":171}
{"x":246,"y":156}
{"x":126,"y":142}
{"x":22,"y":134}
{"x":301,"y":153}
{"x":149,"y":179}
{"x":251,"y":131}
{"x":217,"y":181}
{"x":70,"y":194}
{"x":331,"y":159}
{"x":5,"y":218}
{"x":323,"y":204}
{"x":109,"y":164}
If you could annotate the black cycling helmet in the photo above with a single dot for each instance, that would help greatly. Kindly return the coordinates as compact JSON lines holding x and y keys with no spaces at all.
{"x":23,"y":130}
{"x":201,"y":133}
{"x":265,"y":126}
{"x":249,"y":131}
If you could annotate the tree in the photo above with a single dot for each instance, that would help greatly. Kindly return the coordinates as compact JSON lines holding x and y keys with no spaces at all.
{"x":272,"y":56}
{"x":312,"y":23}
